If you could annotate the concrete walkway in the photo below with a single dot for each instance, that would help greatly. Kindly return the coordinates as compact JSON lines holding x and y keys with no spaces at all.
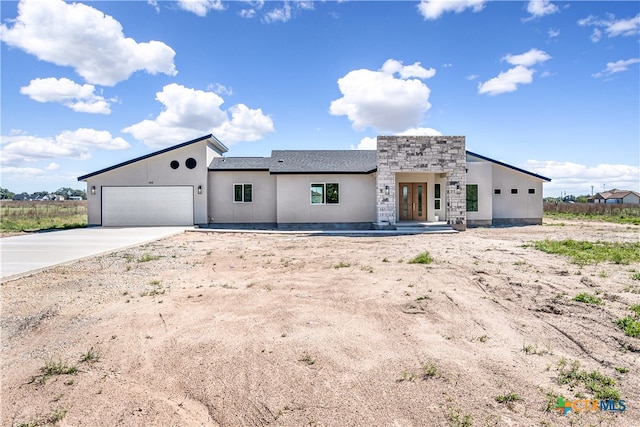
{"x":27,"y":254}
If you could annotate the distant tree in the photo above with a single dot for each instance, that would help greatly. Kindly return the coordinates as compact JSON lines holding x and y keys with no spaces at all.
{"x":38,"y":194}
{"x":6,"y":194}
{"x":582,"y":199}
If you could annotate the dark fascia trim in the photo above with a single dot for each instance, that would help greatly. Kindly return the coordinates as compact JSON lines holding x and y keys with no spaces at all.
{"x":544,"y":178}
{"x":326,"y":172}
{"x":146,"y":156}
{"x":239,"y":170}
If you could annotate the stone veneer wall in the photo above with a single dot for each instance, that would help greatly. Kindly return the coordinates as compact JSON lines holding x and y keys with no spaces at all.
{"x":433,"y":154}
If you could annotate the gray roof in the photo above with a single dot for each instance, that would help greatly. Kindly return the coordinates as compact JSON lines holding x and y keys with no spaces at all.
{"x":303,"y":161}
{"x":323,"y":161}
{"x":240,"y":163}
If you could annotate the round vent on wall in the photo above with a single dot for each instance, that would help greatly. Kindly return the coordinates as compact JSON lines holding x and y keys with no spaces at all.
{"x":174,"y":164}
{"x":191,"y":163}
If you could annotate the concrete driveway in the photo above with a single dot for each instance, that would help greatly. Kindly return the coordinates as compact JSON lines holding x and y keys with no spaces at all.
{"x":26,"y":254}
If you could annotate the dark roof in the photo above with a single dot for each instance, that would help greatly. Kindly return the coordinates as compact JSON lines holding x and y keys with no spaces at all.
{"x":323,"y":161}
{"x":544,"y":178}
{"x":215,"y":141}
{"x":240,"y":163}
{"x":302,"y":162}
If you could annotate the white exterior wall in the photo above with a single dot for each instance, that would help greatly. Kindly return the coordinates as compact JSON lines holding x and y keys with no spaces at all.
{"x":156,"y":171}
{"x":357,"y":199}
{"x":222,"y":208}
{"x":523,"y":207}
{"x":631,"y":199}
{"x":480,"y":173}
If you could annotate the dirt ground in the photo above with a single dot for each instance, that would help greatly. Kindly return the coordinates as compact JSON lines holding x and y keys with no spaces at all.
{"x":238,"y":329}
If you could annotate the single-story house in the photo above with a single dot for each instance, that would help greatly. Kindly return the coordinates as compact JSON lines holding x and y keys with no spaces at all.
{"x":407,"y":179}
{"x":616,"y":196}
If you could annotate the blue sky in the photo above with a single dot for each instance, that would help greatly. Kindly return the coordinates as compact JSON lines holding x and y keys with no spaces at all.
{"x":551,"y":87}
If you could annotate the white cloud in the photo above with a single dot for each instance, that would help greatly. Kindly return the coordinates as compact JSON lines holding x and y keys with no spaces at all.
{"x":612,"y":27}
{"x":78,"y":36}
{"x":80,"y":98}
{"x":245,"y":125}
{"x":420,"y":132}
{"x":539,"y":8}
{"x":433,"y":9}
{"x":553,"y":33}
{"x":154,"y":4}
{"x":380,"y":100}
{"x":617,"y":67}
{"x":78,"y":144}
{"x":367,"y":143}
{"x":528,"y":59}
{"x":507,"y":81}
{"x":201,"y":7}
{"x":472,"y":77}
{"x":220,"y":89}
{"x":190,"y":113}
{"x":577,"y":179}
{"x":53,"y":166}
{"x":371,"y":143}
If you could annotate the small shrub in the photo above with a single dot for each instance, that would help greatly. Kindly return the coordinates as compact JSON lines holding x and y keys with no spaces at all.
{"x":148,"y":257}
{"x":341,"y":264}
{"x":429,"y":370}
{"x":622,"y":370}
{"x":635,"y":308}
{"x":91,"y":356}
{"x":52,"y":368}
{"x":307,"y":359}
{"x":587,"y":298}
{"x":630,"y":326}
{"x":508,"y":398}
{"x":423,"y":258}
{"x":635,"y":276}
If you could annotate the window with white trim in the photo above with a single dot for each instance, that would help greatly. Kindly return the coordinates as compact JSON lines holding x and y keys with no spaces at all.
{"x":497,"y":191}
{"x":514,"y":191}
{"x":242,"y":193}
{"x":325,"y":193}
{"x":531,"y":191}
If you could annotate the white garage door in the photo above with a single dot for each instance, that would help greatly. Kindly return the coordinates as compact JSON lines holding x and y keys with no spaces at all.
{"x":144,"y":206}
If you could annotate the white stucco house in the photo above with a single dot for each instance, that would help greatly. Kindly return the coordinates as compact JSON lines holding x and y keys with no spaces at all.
{"x":406,"y":180}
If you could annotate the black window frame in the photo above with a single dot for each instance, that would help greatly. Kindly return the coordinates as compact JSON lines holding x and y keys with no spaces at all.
{"x":246,"y":189}
{"x":329,"y":193}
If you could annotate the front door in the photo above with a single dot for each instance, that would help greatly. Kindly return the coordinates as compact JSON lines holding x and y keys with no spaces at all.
{"x":413,"y":197}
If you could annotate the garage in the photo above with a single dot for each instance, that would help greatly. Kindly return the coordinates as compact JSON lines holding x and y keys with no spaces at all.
{"x":147,"y":206}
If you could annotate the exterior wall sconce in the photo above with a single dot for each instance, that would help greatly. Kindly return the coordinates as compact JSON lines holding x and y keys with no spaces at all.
{"x":93,"y":189}
{"x":199,"y":189}
{"x":386,"y":190}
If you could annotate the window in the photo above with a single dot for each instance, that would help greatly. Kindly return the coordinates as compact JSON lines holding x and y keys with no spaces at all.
{"x":242,"y":193}
{"x":191,"y":163}
{"x":325,"y":193}
{"x":514,"y":191}
{"x":437,"y":204}
{"x":436,"y":196}
{"x":472,"y":198}
{"x":174,"y":164}
{"x":531,"y":191}
{"x":497,"y":191}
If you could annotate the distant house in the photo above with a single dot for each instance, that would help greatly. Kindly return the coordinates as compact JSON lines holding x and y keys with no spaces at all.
{"x":616,"y":196}
{"x":408,"y":179}
{"x":21,"y":197}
